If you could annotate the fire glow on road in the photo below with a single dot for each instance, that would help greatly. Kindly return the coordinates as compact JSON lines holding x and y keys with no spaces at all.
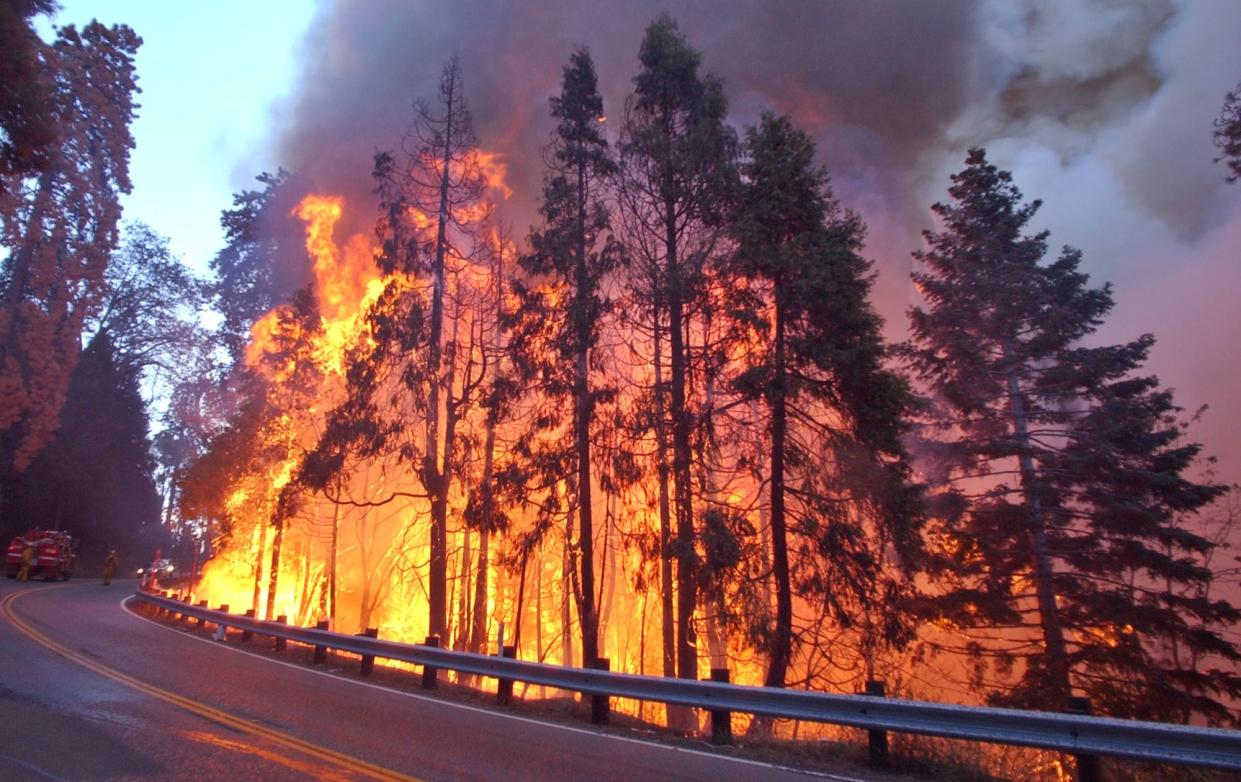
{"x":285,"y":740}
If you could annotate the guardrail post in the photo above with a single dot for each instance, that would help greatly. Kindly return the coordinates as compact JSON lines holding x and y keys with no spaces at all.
{"x":504,"y":689}
{"x":320,"y":650}
{"x":1087,"y":765}
{"x":188,"y":601}
{"x":281,"y":643}
{"x":721,"y":719}
{"x":221,"y":630}
{"x":247,"y":633}
{"x":201,"y":604}
{"x":878,"y":739}
{"x":368,"y":660}
{"x":599,"y":704}
{"x":428,"y":671}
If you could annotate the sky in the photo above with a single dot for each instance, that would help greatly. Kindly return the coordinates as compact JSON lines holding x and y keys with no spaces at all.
{"x":211,"y":76}
{"x":1101,"y":108}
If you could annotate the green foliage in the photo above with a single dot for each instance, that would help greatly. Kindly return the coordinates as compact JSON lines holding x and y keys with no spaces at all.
{"x":95,"y":478}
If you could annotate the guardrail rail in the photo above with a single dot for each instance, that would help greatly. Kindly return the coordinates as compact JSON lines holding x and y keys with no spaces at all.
{"x":1083,"y":736}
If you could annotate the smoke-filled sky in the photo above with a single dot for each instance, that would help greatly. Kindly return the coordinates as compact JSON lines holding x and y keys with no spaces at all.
{"x":1102,"y":108}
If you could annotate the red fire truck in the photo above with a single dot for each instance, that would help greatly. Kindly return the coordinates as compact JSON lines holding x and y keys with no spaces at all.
{"x":53,"y":554}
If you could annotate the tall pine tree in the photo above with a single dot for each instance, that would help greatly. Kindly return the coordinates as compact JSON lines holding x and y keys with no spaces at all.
{"x":570,"y":255}
{"x":676,"y":180}
{"x":96,"y":477}
{"x":1065,"y":492}
{"x":835,"y":413}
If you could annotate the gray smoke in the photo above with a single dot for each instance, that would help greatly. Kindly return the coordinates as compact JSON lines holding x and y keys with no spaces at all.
{"x":1103,"y":108}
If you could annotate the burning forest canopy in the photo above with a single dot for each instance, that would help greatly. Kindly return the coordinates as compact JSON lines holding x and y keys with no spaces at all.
{"x":614,"y":376}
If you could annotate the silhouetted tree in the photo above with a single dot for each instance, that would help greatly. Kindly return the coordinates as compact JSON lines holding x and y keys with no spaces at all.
{"x":562,"y":304}
{"x":96,"y":477}
{"x":677,"y":170}
{"x":429,"y":197}
{"x":835,"y":413}
{"x":1228,"y":134}
{"x":261,"y":236}
{"x":27,"y":122}
{"x":1065,"y":494}
{"x":151,"y":305}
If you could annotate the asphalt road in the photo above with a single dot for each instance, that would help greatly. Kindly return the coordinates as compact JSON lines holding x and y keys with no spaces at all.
{"x":91,"y":691}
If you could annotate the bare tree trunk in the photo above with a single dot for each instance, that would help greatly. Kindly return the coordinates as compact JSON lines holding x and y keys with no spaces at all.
{"x":435,"y":476}
{"x":687,"y":653}
{"x":258,"y":569}
{"x":566,"y":629}
{"x":478,"y":620}
{"x":1044,"y":584}
{"x":273,"y":582}
{"x":463,"y":603}
{"x":582,"y":414}
{"x":332,"y":567}
{"x":665,"y":520}
{"x":781,"y":644}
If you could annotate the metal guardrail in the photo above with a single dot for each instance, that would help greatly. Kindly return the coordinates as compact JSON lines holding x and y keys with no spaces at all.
{"x":1075,"y":734}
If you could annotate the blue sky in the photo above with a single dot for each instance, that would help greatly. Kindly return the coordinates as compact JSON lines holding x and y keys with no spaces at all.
{"x":210,"y":75}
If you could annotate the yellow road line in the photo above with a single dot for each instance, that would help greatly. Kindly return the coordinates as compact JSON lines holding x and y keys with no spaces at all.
{"x":208,"y":712}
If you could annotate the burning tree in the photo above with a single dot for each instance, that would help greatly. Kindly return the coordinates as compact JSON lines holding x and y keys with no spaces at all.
{"x":839,"y":478}
{"x":430,"y":202}
{"x":676,"y":179}
{"x":1064,"y":492}
{"x":561,"y":309}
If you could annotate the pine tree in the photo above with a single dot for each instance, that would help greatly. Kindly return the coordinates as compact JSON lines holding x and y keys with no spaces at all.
{"x":1228,"y":134}
{"x":430,"y":201}
{"x":259,"y":232}
{"x":96,"y":477}
{"x":562,"y":307}
{"x":833,"y":407}
{"x":1066,"y":495}
{"x":676,"y":180}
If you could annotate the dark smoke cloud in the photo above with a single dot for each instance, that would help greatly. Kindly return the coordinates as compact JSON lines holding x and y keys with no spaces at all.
{"x":1103,"y":108}
{"x":878,"y":84}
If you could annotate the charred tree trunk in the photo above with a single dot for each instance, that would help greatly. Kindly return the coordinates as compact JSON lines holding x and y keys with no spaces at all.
{"x":463,"y":602}
{"x":781,"y":644}
{"x":687,"y":659}
{"x":435,"y":477}
{"x":273,"y":577}
{"x":332,"y":567}
{"x":581,"y":431}
{"x":258,"y":570}
{"x":665,"y":512}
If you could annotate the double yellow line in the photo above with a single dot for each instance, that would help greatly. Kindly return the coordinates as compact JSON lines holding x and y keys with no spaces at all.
{"x":346,"y":762}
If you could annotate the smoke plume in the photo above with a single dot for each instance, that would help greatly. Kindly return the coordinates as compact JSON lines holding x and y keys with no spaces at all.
{"x":1102,"y":108}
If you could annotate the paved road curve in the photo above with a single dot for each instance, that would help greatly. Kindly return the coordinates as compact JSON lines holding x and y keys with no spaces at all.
{"x":89,"y":690}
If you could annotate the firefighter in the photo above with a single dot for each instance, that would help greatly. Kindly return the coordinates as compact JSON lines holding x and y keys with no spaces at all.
{"x":109,"y":567}
{"x":27,"y":561}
